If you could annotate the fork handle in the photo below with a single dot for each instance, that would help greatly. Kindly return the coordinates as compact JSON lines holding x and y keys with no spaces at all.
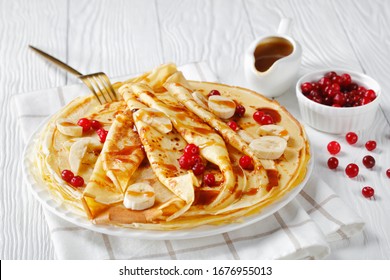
{"x":56,"y":61}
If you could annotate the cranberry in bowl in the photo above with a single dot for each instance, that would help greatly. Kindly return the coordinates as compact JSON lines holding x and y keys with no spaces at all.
{"x":338,"y":100}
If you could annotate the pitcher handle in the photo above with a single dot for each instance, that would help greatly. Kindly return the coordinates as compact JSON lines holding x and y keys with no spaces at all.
{"x":284,"y":26}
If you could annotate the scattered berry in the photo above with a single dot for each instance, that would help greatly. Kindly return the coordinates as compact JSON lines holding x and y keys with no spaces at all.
{"x":77,"y":181}
{"x":191,"y":149}
{"x":258,"y":115}
{"x":262,"y":118}
{"x":370,"y":145}
{"x":368,"y":192}
{"x":85,"y":124}
{"x":368,"y":161}
{"x":333,"y":163}
{"x":388,"y":173}
{"x":209,"y":179}
{"x":240,"y":111}
{"x":334,"y":147}
{"x":246,"y":163}
{"x":352,"y":170}
{"x":351,"y":138}
{"x":233,"y":125}
{"x":67,"y":175}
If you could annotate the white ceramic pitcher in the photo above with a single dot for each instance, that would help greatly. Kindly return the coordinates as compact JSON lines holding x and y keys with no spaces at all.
{"x":278,"y":78}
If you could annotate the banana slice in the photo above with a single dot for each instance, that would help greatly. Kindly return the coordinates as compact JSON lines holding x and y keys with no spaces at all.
{"x":274,"y":130}
{"x":154,"y":118}
{"x":78,"y":151}
{"x":269,"y":147}
{"x":245,"y":136}
{"x":222,"y":106}
{"x":69,"y":128}
{"x":139,"y":196}
{"x":200,"y":99}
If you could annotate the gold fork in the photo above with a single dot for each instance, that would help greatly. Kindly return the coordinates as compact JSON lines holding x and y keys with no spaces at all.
{"x":98,"y":83}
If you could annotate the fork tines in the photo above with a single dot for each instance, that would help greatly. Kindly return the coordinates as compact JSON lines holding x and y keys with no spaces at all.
{"x":100,"y":86}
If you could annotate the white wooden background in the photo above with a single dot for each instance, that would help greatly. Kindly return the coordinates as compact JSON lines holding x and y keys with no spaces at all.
{"x":122,"y":37}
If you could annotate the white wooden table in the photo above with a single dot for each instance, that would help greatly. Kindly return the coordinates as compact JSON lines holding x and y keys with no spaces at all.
{"x":121,"y":37}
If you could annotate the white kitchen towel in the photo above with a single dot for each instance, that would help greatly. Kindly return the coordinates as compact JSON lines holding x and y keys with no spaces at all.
{"x":300,"y":230}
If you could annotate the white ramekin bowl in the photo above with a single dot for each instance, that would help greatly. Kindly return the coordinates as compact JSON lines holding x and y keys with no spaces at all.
{"x":333,"y":119}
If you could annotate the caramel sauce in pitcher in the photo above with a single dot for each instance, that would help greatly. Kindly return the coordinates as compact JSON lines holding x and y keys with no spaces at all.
{"x":269,"y":51}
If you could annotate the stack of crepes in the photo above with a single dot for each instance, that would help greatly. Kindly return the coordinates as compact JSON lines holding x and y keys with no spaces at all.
{"x":134,"y":179}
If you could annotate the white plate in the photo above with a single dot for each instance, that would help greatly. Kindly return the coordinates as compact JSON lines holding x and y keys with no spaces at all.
{"x":59,"y":208}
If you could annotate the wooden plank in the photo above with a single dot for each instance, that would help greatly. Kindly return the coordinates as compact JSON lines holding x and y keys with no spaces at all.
{"x":24,"y":233}
{"x":116,"y":37}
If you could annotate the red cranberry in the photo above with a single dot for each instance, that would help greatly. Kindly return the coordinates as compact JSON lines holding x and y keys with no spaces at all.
{"x":336,"y":79}
{"x":334,"y":147}
{"x":368,"y":192}
{"x":266,"y":119}
{"x":335,"y":87}
{"x":191,"y":149}
{"x":388,"y":173}
{"x":369,"y":161}
{"x":233,"y":125}
{"x":257,"y":116}
{"x":345,"y":79}
{"x":95,"y":124}
{"x":214,"y":92}
{"x":323,"y":82}
{"x":185,"y":162}
{"x":352,"y":170}
{"x":339,"y":99}
{"x":198,"y":168}
{"x":240,"y":111}
{"x":370,"y":145}
{"x":246,"y":162}
{"x":370,"y":94}
{"x":351,"y":137}
{"x":306,"y":88}
{"x":77,"y":181}
{"x":330,"y":75}
{"x":67,"y":175}
{"x":85,"y":124}
{"x":333,"y":163}
{"x":195,"y":159}
{"x":209,"y":179}
{"x":102,"y":133}
{"x":365,"y":100}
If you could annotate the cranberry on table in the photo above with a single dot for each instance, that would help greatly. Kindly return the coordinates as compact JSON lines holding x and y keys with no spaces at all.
{"x":368,"y":192}
{"x":67,"y":175}
{"x":333,"y":163}
{"x":246,"y":162}
{"x":334,"y":147}
{"x":209,"y":179}
{"x":191,"y":149}
{"x":85,"y":124}
{"x":369,"y":161}
{"x":233,"y":125}
{"x":240,"y":111}
{"x":388,"y":173}
{"x":77,"y":181}
{"x":214,"y":92}
{"x":370,"y":145}
{"x":351,"y":137}
{"x":352,"y":170}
